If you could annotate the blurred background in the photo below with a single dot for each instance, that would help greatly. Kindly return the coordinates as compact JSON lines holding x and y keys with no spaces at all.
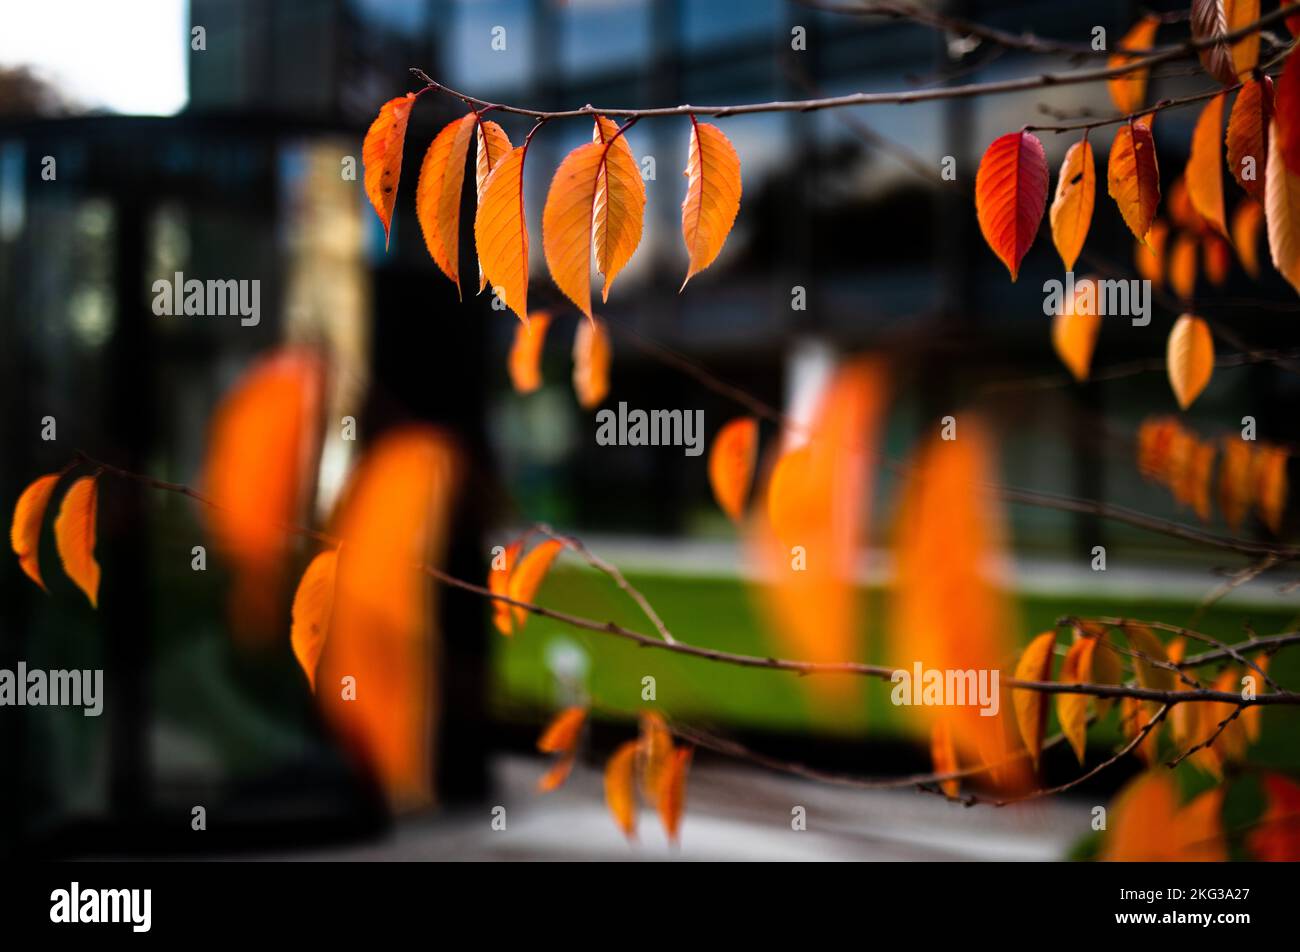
{"x":227,"y":161}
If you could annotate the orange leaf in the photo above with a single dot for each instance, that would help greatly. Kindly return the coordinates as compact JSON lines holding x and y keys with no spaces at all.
{"x":1134,"y":716}
{"x":671,"y":801}
{"x":1286,"y":114}
{"x":712,"y":195}
{"x":620,"y":204}
{"x":1282,"y":207}
{"x":1270,"y":485}
{"x":313,"y":603}
{"x":1235,"y":482}
{"x":1247,"y":140}
{"x":1075,"y":329}
{"x":1031,"y":706}
{"x":525,"y":362}
{"x":381,"y":156}
{"x":528,"y":575}
{"x":1208,"y":22}
{"x":491,"y":144}
{"x":943,"y":756}
{"x":1182,"y":265}
{"x":499,"y":584}
{"x":731,"y":464}
{"x":1143,"y":640}
{"x":1245,"y":52}
{"x":1189,"y":358}
{"x":74,"y":535}
{"x":567,"y":223}
{"x":437,"y":194}
{"x":1129,"y":91}
{"x":501,"y":232}
{"x":559,"y":772}
{"x":656,"y":752}
{"x":1276,"y":837}
{"x":1204,"y":173}
{"x":1246,"y":221}
{"x":591,"y":357}
{"x":1146,"y":824}
{"x":25,"y":533}
{"x":620,"y":786}
{"x":561,"y":735}
{"x":1072,"y":709}
{"x":1217,"y":258}
{"x":1149,"y":255}
{"x":1011,"y":195}
{"x":1133,"y":176}
{"x":1071,"y":212}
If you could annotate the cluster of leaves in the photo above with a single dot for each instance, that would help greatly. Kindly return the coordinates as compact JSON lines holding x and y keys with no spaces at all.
{"x":596,"y":201}
{"x":74,"y":530}
{"x":591,"y":358}
{"x":1250,"y":474}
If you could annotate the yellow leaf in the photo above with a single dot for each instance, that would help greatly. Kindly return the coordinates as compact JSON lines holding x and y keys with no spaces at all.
{"x":1189,"y":358}
{"x":567,"y":223}
{"x":591,"y":357}
{"x":1071,"y":211}
{"x":1129,"y":91}
{"x":731,"y":464}
{"x":313,"y":603}
{"x":25,"y":533}
{"x":437,"y":194}
{"x":671,"y":801}
{"x":1204,"y":173}
{"x":562,"y":733}
{"x":501,"y":232}
{"x":620,"y":786}
{"x":492,"y":144}
{"x":381,"y":155}
{"x":1031,"y":706}
{"x":620,"y":204}
{"x":525,"y":362}
{"x":74,"y":535}
{"x":528,"y":575}
{"x":712,"y":195}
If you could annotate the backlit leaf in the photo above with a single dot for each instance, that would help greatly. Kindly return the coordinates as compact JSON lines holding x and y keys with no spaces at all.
{"x":1149,"y":255}
{"x":562,"y":734}
{"x":528,"y":576}
{"x":620,"y":787}
{"x":671,"y":801}
{"x":1031,"y":706}
{"x":731,"y":464}
{"x":655,"y":753}
{"x":1245,"y":52}
{"x":438,"y":191}
{"x":1204,"y":173}
{"x":491,"y":145}
{"x":1071,"y":212}
{"x":381,"y":156}
{"x":313,"y":604}
{"x":1075,"y":329}
{"x":525,"y":361}
{"x":1182,"y":265}
{"x":25,"y":532}
{"x":1247,"y":218}
{"x":1235,"y":481}
{"x":1247,"y":140}
{"x":1216,"y":257}
{"x":567,"y":223}
{"x":1129,"y":91}
{"x":1072,"y":709}
{"x":499,"y":584}
{"x":501,"y":232}
{"x":620,"y":204}
{"x":1011,"y":195}
{"x":1189,"y":358}
{"x":1269,"y":478}
{"x":712,"y":195}
{"x":74,"y":536}
{"x":1282,"y":209}
{"x":1150,"y":650}
{"x":1133,"y":177}
{"x":591,"y":358}
{"x":1286,"y":114}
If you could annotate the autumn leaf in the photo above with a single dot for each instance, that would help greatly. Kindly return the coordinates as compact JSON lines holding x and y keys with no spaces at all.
{"x":1276,"y":836}
{"x":1204,"y":173}
{"x":74,"y":536}
{"x":591,"y":358}
{"x":1149,"y":255}
{"x":731,"y":464}
{"x":1011,"y":195}
{"x":1182,"y":265}
{"x":620,"y":786}
{"x":671,"y":801}
{"x":712,"y":195}
{"x":499,"y":584}
{"x":25,"y":532}
{"x":1128,"y":91}
{"x":381,"y":156}
{"x":1247,"y":218}
{"x":1072,"y":709}
{"x":1209,"y":22}
{"x":528,"y":575}
{"x":1269,"y":479}
{"x":1292,"y":22}
{"x":1147,"y":824}
{"x":1075,"y":328}
{"x":1071,"y":212}
{"x":561,"y":737}
{"x":1189,"y":358}
{"x":525,"y":361}
{"x":1191,"y":484}
{"x":1282,"y":209}
{"x":313,"y":603}
{"x":1245,"y":52}
{"x":1134,"y":177}
{"x":655,"y":752}
{"x":567,"y":223}
{"x":1150,"y":658}
{"x":1247,"y":141}
{"x":1031,"y":706}
{"x":620,"y":204}
{"x":491,"y":145}
{"x":1235,"y":481}
{"x":1135,"y":715}
{"x":437,"y":194}
{"x":1216,"y":258}
{"x":943,"y":756}
{"x":1286,"y":114}
{"x":501,"y":232}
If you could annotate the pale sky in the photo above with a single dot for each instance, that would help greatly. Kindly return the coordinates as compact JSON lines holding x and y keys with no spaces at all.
{"x":124,"y":55}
